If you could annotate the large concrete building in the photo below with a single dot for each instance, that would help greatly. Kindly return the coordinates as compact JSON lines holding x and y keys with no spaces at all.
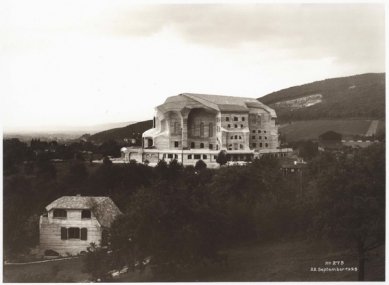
{"x":189,"y":127}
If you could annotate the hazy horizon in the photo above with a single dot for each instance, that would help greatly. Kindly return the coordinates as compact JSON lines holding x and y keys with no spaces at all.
{"x":76,"y":64}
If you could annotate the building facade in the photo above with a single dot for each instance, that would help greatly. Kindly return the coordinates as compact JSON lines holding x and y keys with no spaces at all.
{"x":189,"y":127}
{"x":71,"y":223}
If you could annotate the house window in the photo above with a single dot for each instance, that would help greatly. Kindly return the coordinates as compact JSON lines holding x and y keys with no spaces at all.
{"x":59,"y":213}
{"x":253,"y":131}
{"x":265,"y":138}
{"x":204,"y":156}
{"x":253,"y":137}
{"x":210,"y":133}
{"x":254,"y":145}
{"x":85,"y":214}
{"x":176,"y":144}
{"x":64,"y":233}
{"x":235,"y":126}
{"x":201,"y":145}
{"x":228,"y":126}
{"x":266,"y":145}
{"x":73,"y":233}
{"x":202,"y":129}
{"x":232,"y":137}
{"x":192,"y":145}
{"x":210,"y":146}
{"x":176,"y":156}
{"x":84,"y":234}
{"x":259,"y":131}
{"x":217,"y":147}
{"x":241,"y":146}
{"x":241,"y":126}
{"x":236,"y":136}
{"x":243,"y":119}
{"x":197,"y":156}
{"x":260,"y":137}
{"x":240,"y":137}
{"x":227,"y":119}
{"x":170,"y":155}
{"x":264,"y":132}
{"x":260,"y":144}
{"x":189,"y":156}
{"x":235,"y":119}
{"x":175,"y":127}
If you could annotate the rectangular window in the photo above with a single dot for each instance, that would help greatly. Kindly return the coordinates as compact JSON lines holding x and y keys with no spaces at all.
{"x":204,"y":156}
{"x":260,"y":144}
{"x":84,"y":234}
{"x":189,"y":156}
{"x":254,"y":145}
{"x":176,"y":156}
{"x":210,"y":146}
{"x":170,"y":155}
{"x":59,"y":213}
{"x":243,"y":119}
{"x":176,"y":144}
{"x":215,"y":157}
{"x":228,"y":126}
{"x":236,"y":126}
{"x":197,"y":156}
{"x":64,"y":233}
{"x":241,"y":126}
{"x":253,"y":131}
{"x":227,"y":119}
{"x":235,"y":119}
{"x":260,"y":137}
{"x":85,"y":214}
{"x":74,"y":233}
{"x":253,"y":137}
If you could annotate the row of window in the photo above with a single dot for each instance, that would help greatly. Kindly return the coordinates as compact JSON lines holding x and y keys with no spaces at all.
{"x":198,"y":156}
{"x":236,"y":137}
{"x":254,"y":145}
{"x":62,"y":214}
{"x":235,"y":126}
{"x":202,"y":145}
{"x":259,"y":131}
{"x":235,"y":119}
{"x":253,"y":137}
{"x":74,"y":233}
{"x":210,"y":130}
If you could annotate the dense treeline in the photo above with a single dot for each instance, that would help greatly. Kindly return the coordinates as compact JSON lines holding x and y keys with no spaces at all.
{"x":186,"y":216}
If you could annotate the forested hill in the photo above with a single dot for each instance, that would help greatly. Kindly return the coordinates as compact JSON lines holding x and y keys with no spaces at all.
{"x":358,"y":96}
{"x":131,"y":131}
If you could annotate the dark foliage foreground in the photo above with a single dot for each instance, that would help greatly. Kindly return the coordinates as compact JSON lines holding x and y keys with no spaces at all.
{"x":176,"y":217}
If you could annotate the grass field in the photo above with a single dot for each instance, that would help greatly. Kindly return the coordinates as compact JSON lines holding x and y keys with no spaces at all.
{"x":308,"y":130}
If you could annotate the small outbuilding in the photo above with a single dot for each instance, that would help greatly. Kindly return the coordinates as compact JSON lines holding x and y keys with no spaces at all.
{"x":71,"y":223}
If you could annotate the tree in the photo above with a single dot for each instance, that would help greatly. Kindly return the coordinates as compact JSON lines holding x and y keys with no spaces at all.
{"x":200,"y":165}
{"x":222,"y":157}
{"x":351,"y":196}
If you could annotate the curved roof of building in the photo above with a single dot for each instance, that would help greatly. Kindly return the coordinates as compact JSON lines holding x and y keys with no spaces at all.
{"x":216,"y":102}
{"x":102,"y":207}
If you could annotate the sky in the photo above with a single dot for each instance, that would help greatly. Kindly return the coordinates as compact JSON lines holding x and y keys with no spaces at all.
{"x":77,"y":63}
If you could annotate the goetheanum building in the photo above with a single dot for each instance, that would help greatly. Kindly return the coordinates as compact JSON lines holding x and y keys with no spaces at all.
{"x":189,"y":127}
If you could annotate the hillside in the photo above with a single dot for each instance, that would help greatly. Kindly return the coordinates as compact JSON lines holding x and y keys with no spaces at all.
{"x":359,"y":96}
{"x":133,"y":131}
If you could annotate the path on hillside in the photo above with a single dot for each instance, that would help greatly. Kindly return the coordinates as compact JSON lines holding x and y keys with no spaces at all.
{"x":372,"y":129}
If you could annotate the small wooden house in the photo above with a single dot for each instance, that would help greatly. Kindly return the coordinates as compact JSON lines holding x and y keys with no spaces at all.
{"x":71,"y":223}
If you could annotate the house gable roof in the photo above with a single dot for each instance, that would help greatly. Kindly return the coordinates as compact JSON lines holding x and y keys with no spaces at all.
{"x":103,"y":208}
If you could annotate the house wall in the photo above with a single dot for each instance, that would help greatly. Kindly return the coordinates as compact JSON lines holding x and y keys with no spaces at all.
{"x":50,"y":233}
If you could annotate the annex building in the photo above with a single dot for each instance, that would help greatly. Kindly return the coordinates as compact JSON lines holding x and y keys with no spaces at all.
{"x":189,"y":127}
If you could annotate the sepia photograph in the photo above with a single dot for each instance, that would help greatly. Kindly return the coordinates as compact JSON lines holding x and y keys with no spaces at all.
{"x":192,"y":142}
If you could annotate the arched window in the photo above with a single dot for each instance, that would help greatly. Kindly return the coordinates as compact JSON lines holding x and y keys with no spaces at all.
{"x":202,"y":129}
{"x":210,"y":130}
